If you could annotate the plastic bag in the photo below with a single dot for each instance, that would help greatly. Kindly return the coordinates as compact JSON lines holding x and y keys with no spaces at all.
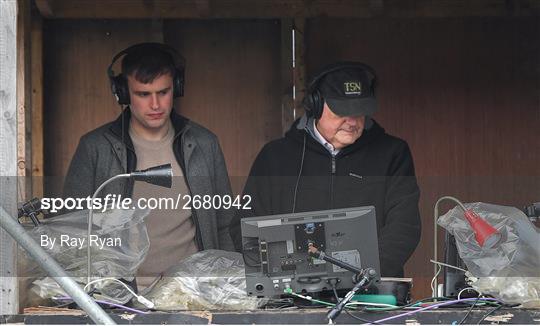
{"x":207,"y":280}
{"x":510,"y":270}
{"x":119,"y":245}
{"x":524,"y":290}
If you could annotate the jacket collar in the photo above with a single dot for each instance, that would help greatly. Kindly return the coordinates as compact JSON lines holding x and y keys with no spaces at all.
{"x":298,"y":131}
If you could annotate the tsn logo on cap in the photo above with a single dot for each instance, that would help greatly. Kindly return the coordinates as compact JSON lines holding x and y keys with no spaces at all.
{"x":352,"y":88}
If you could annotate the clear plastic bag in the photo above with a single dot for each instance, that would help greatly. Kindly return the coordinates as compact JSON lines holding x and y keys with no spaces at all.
{"x":510,"y":270}
{"x":120,"y":243}
{"x":207,"y":280}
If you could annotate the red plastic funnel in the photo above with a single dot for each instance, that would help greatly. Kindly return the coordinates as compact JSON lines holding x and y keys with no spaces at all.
{"x":486,"y":235}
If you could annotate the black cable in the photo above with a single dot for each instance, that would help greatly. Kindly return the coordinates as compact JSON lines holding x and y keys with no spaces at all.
{"x":335,"y":293}
{"x":489,"y":313}
{"x":252,"y":259}
{"x":469,"y":312}
{"x":361,"y":319}
{"x":348,"y":312}
{"x":299,"y":173}
{"x":410,"y":304}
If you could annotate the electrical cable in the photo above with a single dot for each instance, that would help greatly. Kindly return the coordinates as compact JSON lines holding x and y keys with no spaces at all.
{"x":299,"y":173}
{"x":147,"y":303}
{"x":410,"y":305}
{"x":352,"y":303}
{"x":466,"y":289}
{"x":489,"y":313}
{"x":433,"y":280}
{"x":108,"y":303}
{"x":448,"y":265}
{"x":244,"y":249}
{"x":109,"y":279}
{"x":469,"y":311}
{"x":347,"y":311}
{"x":384,"y":320}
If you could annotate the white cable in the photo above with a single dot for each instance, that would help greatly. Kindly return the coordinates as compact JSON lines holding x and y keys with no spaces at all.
{"x":465,"y":289}
{"x":110,"y":279}
{"x":433,"y":291}
{"x":373,"y":304}
{"x":353,"y":303}
{"x":147,"y":303}
{"x":448,"y":265}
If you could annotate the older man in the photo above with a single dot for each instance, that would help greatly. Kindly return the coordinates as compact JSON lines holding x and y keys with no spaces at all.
{"x":337,"y":156}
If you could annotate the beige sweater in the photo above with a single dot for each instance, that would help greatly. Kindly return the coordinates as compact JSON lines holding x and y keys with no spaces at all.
{"x":171,"y":232}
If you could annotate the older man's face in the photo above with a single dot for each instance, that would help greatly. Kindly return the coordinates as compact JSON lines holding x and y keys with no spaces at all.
{"x":340,"y":131}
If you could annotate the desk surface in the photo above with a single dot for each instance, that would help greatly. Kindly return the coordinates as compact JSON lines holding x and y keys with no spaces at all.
{"x":297,"y":316}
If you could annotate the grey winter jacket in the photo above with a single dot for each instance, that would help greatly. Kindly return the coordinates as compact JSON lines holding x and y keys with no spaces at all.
{"x":104,"y":152}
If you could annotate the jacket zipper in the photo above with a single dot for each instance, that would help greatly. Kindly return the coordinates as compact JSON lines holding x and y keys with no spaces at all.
{"x":332,"y":182}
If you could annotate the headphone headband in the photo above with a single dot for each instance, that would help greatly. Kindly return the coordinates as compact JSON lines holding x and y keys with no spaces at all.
{"x":163,"y":47}
{"x":119,"y":84}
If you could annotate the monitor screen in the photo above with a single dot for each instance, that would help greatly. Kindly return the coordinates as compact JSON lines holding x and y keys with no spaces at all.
{"x":276,"y":249}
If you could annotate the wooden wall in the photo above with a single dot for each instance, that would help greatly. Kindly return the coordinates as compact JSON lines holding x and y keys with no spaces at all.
{"x":232,"y":83}
{"x":463,"y":92}
{"x":77,"y":96}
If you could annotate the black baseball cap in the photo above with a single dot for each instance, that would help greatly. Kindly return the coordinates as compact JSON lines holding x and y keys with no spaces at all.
{"x":348,"y":89}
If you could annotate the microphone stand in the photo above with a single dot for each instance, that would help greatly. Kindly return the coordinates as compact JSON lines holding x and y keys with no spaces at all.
{"x":364,"y":276}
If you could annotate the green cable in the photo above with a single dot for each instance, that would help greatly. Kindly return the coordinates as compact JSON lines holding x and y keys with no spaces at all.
{"x":289,"y":291}
{"x":349,"y":305}
{"x":485,"y":302}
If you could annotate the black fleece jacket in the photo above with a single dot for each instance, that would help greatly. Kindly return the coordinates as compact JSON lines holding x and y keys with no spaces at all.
{"x":376,"y":170}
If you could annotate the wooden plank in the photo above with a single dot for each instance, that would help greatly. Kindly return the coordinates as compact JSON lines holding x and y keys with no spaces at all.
{"x":24,"y":97}
{"x":287,"y":74}
{"x":285,"y":8}
{"x":8,"y":153}
{"x":37,"y":106}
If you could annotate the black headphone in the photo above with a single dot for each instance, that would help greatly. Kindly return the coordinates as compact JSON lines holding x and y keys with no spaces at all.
{"x":313,"y":100}
{"x":119,"y":86}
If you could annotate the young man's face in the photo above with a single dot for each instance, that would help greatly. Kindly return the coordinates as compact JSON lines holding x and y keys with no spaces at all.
{"x":340,"y":131}
{"x":151,"y":103}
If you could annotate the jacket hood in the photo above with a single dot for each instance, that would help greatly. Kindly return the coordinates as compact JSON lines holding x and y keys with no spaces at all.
{"x":297,"y":132}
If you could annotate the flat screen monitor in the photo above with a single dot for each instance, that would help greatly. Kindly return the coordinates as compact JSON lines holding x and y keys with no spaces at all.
{"x":276,"y":249}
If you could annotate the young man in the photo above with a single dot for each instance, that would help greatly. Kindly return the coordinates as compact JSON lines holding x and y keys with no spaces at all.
{"x":337,"y":156}
{"x":148,"y":133}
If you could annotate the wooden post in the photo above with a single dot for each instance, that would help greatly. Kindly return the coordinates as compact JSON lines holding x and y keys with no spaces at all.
{"x":8,"y":152}
{"x":24,"y":96}
{"x":37,"y":105}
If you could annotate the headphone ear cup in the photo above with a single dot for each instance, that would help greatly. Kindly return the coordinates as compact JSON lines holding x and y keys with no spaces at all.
{"x":178,"y":83}
{"x":318,"y":104}
{"x":120,"y":89}
{"x":313,"y":104}
{"x":307,"y":102}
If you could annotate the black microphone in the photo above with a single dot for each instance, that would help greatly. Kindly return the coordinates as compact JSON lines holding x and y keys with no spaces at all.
{"x":160,"y":175}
